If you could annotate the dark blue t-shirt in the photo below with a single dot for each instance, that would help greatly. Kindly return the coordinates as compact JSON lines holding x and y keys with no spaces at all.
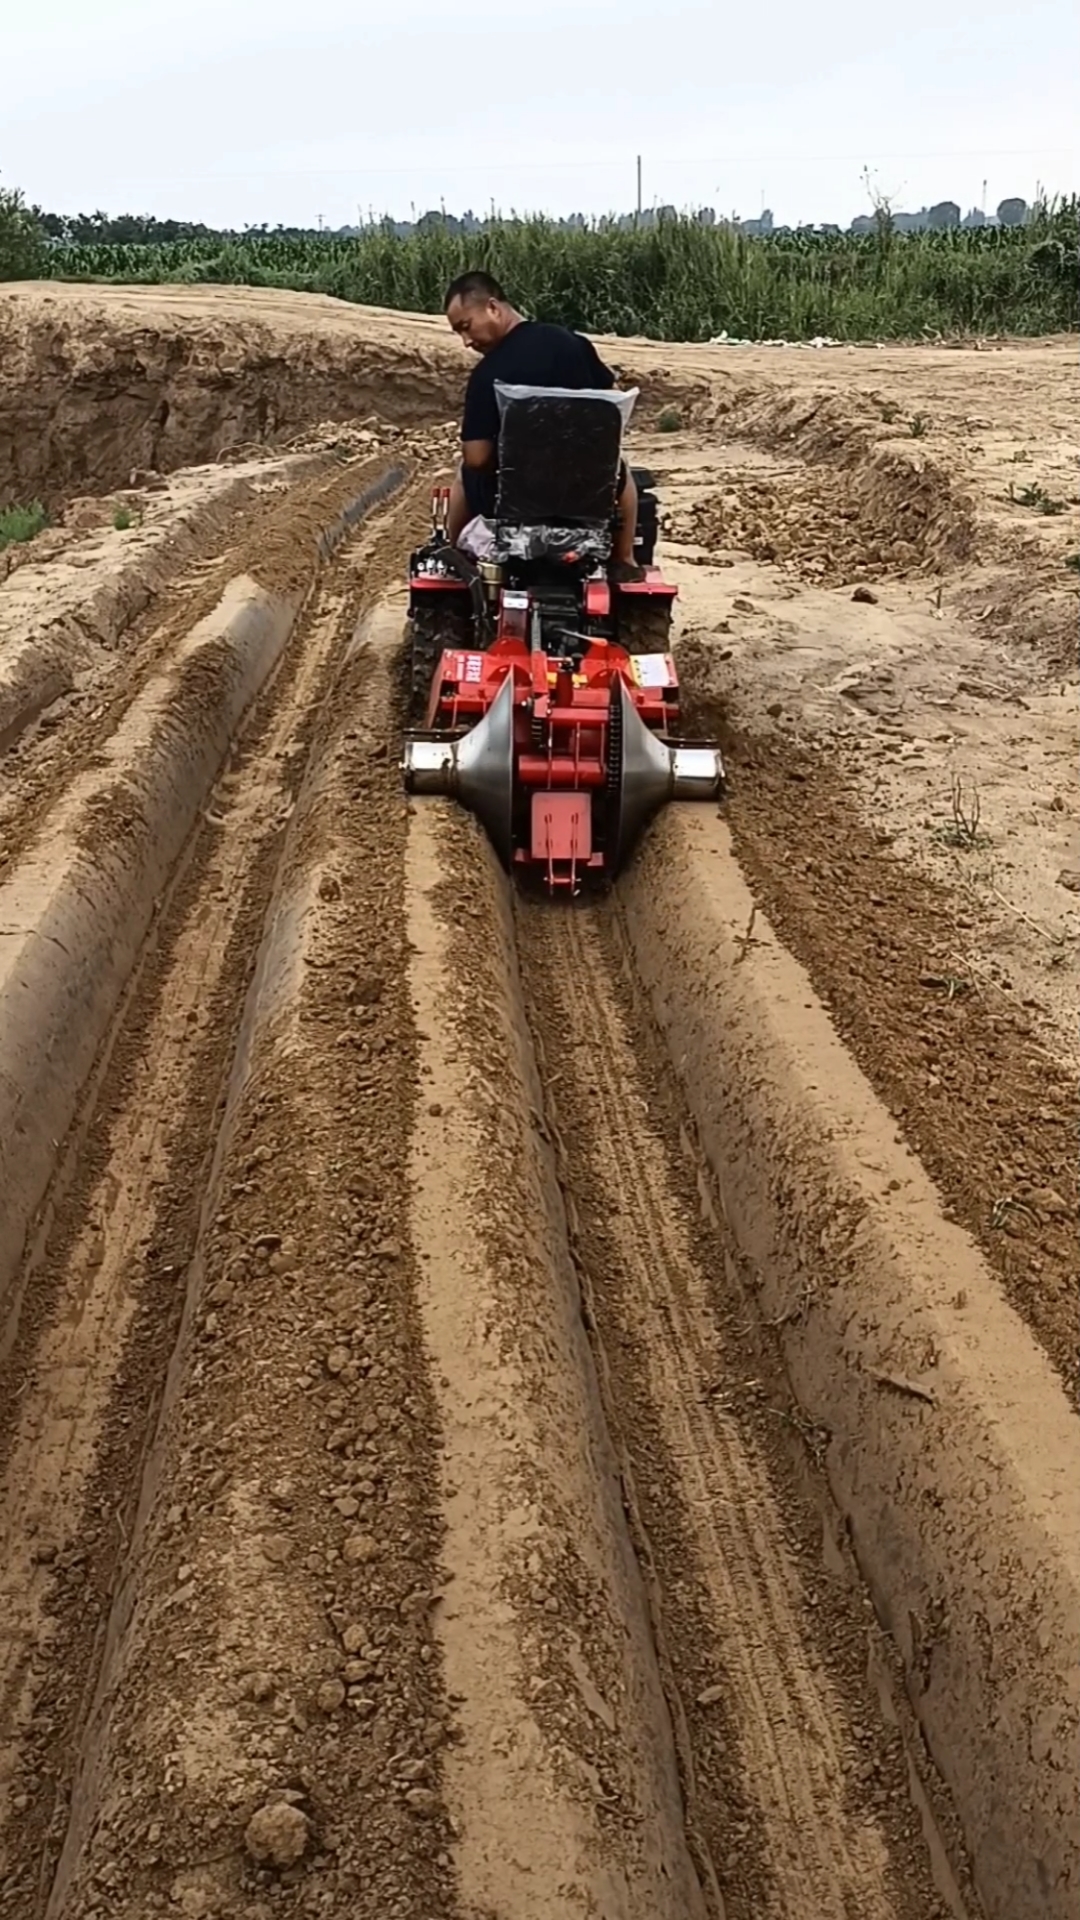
{"x":532,"y":354}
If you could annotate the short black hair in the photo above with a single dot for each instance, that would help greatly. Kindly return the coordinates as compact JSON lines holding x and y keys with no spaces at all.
{"x":473,"y":286}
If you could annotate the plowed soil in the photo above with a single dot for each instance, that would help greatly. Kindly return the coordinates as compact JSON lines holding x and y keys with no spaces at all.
{"x":404,"y":1508}
{"x":767,"y":1653}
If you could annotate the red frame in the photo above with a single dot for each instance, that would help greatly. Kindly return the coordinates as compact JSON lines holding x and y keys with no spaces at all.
{"x":561,"y":734}
{"x":561,"y":718}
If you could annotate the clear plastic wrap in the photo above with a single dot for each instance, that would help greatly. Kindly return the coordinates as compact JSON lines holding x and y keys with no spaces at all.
{"x":624,"y":403}
{"x":542,"y":542}
{"x":478,"y":538}
{"x":559,"y":452}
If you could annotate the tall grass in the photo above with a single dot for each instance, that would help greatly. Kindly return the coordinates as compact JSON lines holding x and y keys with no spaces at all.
{"x":675,"y":281}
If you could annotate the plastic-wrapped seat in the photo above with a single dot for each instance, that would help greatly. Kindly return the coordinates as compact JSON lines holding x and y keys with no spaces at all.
{"x":559,"y":453}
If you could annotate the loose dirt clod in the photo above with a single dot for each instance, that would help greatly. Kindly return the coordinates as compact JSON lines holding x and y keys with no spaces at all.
{"x":331,"y":1696}
{"x":277,"y":1836}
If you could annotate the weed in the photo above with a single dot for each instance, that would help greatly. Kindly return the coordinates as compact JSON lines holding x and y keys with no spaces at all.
{"x":1037,"y":498}
{"x":22,"y":523}
{"x":920,"y":425}
{"x":890,"y":411}
{"x":122,"y":519}
{"x":1073,"y":562}
{"x":669,"y":420}
{"x":962,"y":831}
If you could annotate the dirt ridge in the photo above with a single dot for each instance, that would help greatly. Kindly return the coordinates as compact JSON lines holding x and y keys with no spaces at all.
{"x":99,"y":1247}
{"x":952,"y":1452}
{"x":774,"y":1704}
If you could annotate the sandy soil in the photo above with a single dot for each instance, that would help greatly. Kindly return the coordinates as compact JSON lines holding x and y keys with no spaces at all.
{"x":402,"y":1513}
{"x":903,"y":798}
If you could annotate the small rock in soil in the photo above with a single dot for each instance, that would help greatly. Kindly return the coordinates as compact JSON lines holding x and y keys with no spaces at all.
{"x":277,"y":1836}
{"x":423,"y":1802}
{"x":359,"y":1549}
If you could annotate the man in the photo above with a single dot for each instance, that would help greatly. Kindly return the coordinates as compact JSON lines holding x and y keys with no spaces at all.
{"x":524,"y":353}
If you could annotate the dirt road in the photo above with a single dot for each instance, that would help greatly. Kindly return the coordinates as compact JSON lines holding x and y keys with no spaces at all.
{"x":458,"y":1456}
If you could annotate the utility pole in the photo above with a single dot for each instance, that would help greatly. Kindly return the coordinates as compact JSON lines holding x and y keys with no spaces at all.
{"x":637,"y":216}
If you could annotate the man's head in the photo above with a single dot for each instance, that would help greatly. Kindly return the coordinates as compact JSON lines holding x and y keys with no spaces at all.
{"x":479,"y":311}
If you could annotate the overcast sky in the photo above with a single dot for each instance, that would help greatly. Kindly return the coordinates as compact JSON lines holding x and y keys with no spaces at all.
{"x":238,"y":111}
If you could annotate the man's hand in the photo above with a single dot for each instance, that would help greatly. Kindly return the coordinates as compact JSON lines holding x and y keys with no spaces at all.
{"x":478,"y":454}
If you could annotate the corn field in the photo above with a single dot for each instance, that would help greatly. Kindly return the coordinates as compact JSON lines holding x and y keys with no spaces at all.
{"x":678,"y":280}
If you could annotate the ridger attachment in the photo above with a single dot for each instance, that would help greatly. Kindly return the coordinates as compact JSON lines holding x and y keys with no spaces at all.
{"x":562,"y":759}
{"x":544,"y":701}
{"x":561,"y":787}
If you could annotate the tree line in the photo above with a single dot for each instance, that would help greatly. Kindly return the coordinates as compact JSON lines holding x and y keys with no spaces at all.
{"x":145,"y":229}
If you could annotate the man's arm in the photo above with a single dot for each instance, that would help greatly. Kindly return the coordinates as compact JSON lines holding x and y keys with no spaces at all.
{"x":478,"y":454}
{"x":601,"y":378}
{"x":480,"y":421}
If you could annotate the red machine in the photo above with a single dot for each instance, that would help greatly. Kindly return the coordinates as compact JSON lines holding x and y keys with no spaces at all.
{"x":545,"y":705}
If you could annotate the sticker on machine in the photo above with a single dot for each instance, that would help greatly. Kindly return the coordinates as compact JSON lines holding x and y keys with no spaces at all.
{"x":652,"y":669}
{"x":473,"y":672}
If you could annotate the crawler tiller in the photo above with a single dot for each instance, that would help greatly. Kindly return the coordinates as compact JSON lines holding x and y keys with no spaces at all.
{"x":543,"y":696}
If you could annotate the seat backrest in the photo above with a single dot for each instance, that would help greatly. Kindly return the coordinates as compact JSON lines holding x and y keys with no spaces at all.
{"x":558,"y":457}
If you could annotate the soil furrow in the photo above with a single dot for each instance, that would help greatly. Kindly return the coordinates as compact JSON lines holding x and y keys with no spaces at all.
{"x":275,"y":1662}
{"x":796,"y":1820}
{"x":986,"y":1105}
{"x":544,"y":1626}
{"x":99,"y":1275}
{"x":272,"y":537}
{"x":105,"y":1296}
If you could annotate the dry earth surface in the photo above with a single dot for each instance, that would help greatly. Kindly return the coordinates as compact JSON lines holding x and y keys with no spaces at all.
{"x":406,"y":1508}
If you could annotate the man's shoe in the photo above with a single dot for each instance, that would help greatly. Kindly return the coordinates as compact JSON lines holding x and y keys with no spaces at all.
{"x":625,"y":573}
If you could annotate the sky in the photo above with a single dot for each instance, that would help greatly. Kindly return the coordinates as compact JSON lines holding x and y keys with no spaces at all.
{"x":235,"y":112}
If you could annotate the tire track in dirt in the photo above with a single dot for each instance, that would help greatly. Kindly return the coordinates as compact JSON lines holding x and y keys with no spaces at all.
{"x":794,"y":1784}
{"x":107,"y":1291}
